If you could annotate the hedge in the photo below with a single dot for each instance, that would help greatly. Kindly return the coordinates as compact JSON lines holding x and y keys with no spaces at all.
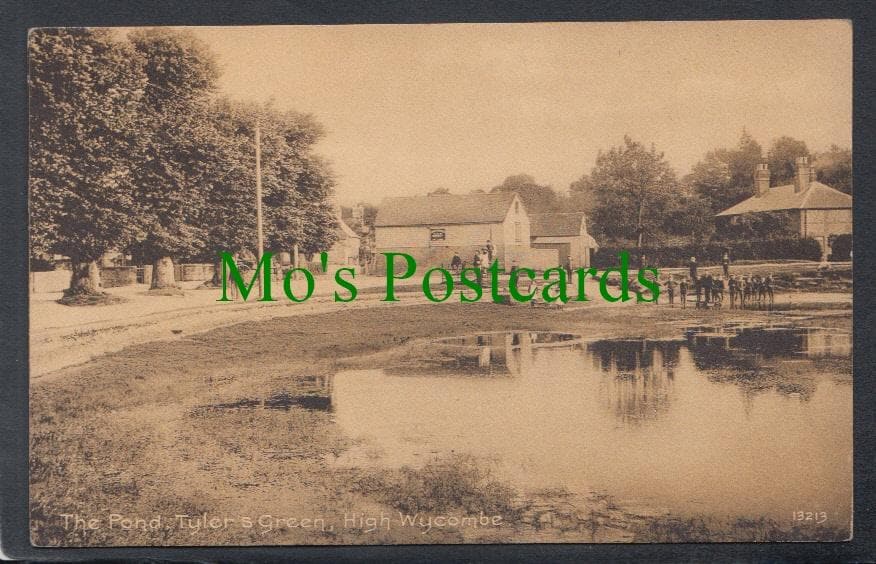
{"x":711,"y":253}
{"x":840,"y":247}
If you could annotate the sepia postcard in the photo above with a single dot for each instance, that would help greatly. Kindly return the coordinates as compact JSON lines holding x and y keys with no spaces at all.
{"x":440,"y":284}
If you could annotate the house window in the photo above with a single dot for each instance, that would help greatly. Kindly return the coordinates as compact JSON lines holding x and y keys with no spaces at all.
{"x":437,"y":236}
{"x":517,"y":233}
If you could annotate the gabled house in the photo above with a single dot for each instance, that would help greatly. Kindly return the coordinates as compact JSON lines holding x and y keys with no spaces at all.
{"x":434,"y":228}
{"x":817,"y":210}
{"x":345,"y":251}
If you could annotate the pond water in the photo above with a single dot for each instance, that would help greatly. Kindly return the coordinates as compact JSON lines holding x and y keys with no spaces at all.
{"x":734,"y":420}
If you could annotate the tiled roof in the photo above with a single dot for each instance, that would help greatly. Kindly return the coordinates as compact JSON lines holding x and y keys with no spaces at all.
{"x":817,"y":196}
{"x":441,"y":209}
{"x":555,"y":224}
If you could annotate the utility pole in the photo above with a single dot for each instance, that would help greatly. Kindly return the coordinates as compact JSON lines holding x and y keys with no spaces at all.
{"x":261,"y":239}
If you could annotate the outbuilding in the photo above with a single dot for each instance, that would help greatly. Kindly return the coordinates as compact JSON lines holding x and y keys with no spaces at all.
{"x":566,"y":233}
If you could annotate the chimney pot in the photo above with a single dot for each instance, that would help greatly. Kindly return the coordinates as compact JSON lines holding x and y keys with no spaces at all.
{"x":761,"y":179}
{"x":803,"y":175}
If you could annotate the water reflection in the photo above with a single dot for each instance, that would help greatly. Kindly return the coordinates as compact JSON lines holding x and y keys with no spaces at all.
{"x":721,"y":420}
{"x":637,"y":376}
{"x":313,"y":393}
{"x":486,"y":354}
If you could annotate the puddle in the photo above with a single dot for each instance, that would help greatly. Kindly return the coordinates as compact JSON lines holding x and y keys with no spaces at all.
{"x":319,"y":399}
{"x":732,"y":419}
{"x":488,"y":354}
{"x":772,"y":340}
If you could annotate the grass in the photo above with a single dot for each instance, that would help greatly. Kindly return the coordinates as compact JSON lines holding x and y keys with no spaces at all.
{"x":711,"y":529}
{"x":177,"y":291}
{"x":453,"y":483}
{"x":90,"y":299}
{"x":133,"y":431}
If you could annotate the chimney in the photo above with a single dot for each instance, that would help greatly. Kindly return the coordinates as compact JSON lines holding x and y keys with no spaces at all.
{"x":762,"y":179}
{"x":802,"y":175}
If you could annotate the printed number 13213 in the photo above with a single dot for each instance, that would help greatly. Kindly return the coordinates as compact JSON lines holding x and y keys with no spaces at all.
{"x":817,"y":517}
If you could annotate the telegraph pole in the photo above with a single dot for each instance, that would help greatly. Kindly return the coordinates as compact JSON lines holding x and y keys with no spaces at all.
{"x":258,"y":173}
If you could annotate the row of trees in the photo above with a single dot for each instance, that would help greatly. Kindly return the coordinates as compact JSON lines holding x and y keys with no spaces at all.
{"x":131,"y":149}
{"x":634,"y":197}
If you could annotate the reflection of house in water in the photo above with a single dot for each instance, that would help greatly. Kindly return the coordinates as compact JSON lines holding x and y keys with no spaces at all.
{"x":639,"y":376}
{"x":491,"y":354}
{"x":732,"y":346}
{"x":766,"y":357}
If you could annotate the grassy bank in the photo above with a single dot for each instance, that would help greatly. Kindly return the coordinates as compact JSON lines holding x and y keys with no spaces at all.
{"x":231,"y":423}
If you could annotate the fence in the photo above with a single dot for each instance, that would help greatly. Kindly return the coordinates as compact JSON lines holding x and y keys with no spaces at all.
{"x":116,"y":276}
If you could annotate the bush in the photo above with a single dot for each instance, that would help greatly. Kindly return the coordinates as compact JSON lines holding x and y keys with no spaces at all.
{"x":840,"y":247}
{"x":711,"y":253}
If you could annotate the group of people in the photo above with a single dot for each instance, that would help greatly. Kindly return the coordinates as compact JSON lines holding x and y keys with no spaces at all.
{"x":710,"y":290}
{"x":482,"y":259}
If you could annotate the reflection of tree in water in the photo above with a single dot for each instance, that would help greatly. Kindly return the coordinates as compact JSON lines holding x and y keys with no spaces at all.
{"x":638,"y":376}
{"x":760,"y":359}
{"x":487,"y":354}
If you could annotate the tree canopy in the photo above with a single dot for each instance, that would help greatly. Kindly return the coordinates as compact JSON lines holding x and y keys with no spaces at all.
{"x":632,"y":186}
{"x":130,"y":149}
{"x":86,"y":90}
{"x":782,"y":157}
{"x":536,"y":198}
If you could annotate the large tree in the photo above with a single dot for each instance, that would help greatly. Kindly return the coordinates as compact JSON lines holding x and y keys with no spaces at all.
{"x":632,"y":185}
{"x":85,"y":92}
{"x":725,"y":176}
{"x":298,"y":185}
{"x":834,"y":168}
{"x":178,"y":168}
{"x":537,"y":198}
{"x":782,"y":156}
{"x":229,"y":216}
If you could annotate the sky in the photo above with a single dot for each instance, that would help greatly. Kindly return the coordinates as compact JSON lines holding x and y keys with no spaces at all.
{"x":410,"y":108}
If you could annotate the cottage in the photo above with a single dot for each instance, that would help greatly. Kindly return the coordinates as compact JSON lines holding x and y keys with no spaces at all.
{"x":434,"y":228}
{"x":817,"y":210}
{"x":565,"y":232}
{"x":345,"y":250}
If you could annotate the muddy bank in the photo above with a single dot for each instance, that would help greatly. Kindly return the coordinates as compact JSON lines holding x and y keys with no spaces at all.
{"x":235,"y":423}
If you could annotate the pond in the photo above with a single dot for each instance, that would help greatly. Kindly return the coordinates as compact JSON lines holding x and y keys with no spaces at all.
{"x":731,"y":420}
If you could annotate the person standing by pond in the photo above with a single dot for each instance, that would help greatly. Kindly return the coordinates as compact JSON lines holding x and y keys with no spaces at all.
{"x":490,"y":250}
{"x":698,"y":290}
{"x":731,"y":289}
{"x":670,"y":290}
{"x":725,"y":263}
{"x":707,"y":288}
{"x":682,"y":292}
{"x":455,"y":263}
{"x":693,"y":269}
{"x":476,"y":263}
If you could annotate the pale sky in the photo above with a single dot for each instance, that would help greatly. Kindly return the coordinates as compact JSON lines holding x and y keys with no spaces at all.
{"x":409,"y":108}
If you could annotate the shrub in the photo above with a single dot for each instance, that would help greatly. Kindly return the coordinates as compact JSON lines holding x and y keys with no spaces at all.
{"x":711,"y":253}
{"x":840,"y":247}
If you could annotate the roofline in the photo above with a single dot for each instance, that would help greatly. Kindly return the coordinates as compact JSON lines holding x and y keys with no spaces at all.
{"x":728,"y":213}
{"x":439,"y":223}
{"x":514,"y":196}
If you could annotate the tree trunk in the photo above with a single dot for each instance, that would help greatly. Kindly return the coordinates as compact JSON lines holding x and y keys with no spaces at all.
{"x":162,"y":274}
{"x":85,"y":278}
{"x":639,"y":230}
{"x":216,"y":281}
